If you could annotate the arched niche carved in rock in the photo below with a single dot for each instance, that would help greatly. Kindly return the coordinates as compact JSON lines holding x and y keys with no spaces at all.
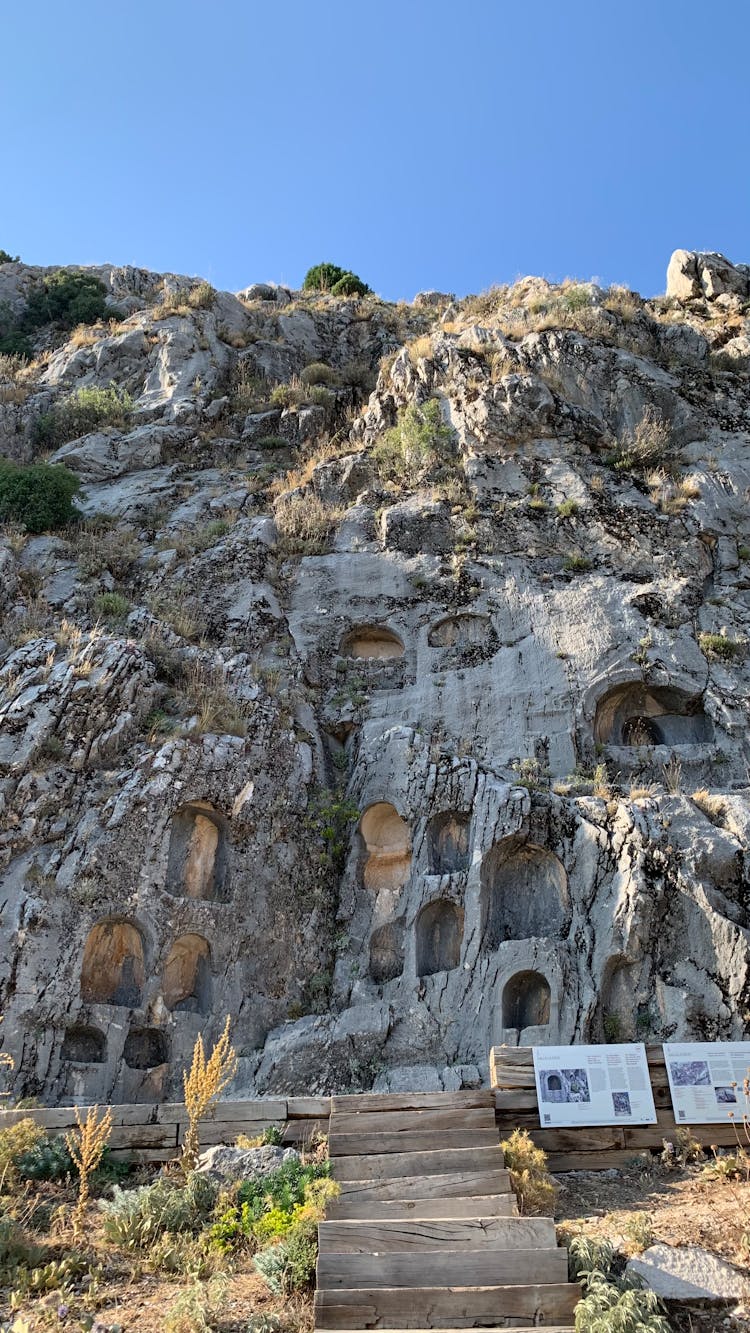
{"x":84,"y":1045}
{"x":198,"y":864}
{"x":526,"y":1001}
{"x":387,"y":952}
{"x":387,"y":847}
{"x":524,"y":893}
{"x":448,"y":842}
{"x":112,"y":971}
{"x":439,"y":931}
{"x":637,"y":714}
{"x":376,"y":642}
{"x":186,"y":982}
{"x":463,"y":631}
{"x":145,"y":1048}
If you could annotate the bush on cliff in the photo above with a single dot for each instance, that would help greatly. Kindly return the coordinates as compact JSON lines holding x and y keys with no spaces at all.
{"x":39,"y":496}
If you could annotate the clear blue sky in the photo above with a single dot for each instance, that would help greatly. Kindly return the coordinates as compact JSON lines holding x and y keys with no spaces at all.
{"x":426,"y":143}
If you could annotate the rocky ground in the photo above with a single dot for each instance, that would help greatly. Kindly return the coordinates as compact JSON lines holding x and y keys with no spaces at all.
{"x":390,"y":694}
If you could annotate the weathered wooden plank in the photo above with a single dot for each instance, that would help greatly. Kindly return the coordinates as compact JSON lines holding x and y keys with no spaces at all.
{"x":448,"y":1185}
{"x":471,"y":1267}
{"x":303,"y":1130}
{"x":377,"y":1210}
{"x":142,"y":1156}
{"x":301,"y":1108}
{"x":384,"y":1165}
{"x":389,"y":1122}
{"x":407,"y":1101}
{"x":58,"y":1118}
{"x":494,"y":1328}
{"x":222,"y":1131}
{"x":513,"y":1100}
{"x":144,"y":1136}
{"x":462,"y":1307}
{"x":446,"y":1234}
{"x":272,"y":1110}
{"x":349,"y":1145}
{"x":653,"y":1136}
{"x":561,"y":1162}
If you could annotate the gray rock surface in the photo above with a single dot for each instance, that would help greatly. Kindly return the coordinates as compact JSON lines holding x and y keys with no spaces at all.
{"x":227,"y":1164}
{"x":689,"y":1273}
{"x":389,"y":764}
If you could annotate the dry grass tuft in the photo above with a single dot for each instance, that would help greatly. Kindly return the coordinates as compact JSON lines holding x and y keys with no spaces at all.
{"x":204,"y":1084}
{"x":86,"y":1147}
{"x":714,"y":807}
{"x":529,"y":1175}
{"x":305,"y":523}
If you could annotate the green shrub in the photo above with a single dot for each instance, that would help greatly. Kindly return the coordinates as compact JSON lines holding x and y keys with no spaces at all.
{"x":111,"y":607}
{"x":420,"y":442}
{"x":67,"y":298}
{"x":48,"y":1159}
{"x":567,"y":509}
{"x":135,"y":1218}
{"x":82,"y":411}
{"x":15,"y":1141}
{"x":618,"y":1307}
{"x":318,"y":373}
{"x":576,"y":564}
{"x":5,"y":258}
{"x":718,"y":645}
{"x":588,"y":1255}
{"x":38,"y":495}
{"x":289,"y":1266}
{"x":332,"y":278}
{"x":271,"y":442}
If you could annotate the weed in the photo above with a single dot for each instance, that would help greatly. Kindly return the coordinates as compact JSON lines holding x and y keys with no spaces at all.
{"x":203,"y":1084}
{"x":672,"y":773}
{"x":567,"y":509}
{"x":713,"y":807}
{"x":574,"y":563}
{"x":15,"y":1142}
{"x":85,"y":410}
{"x":305,"y":524}
{"x":645,"y":447}
{"x":197,"y":1309}
{"x":639,"y":1230}
{"x":720,"y":646}
{"x":111,"y":607}
{"x":529,"y":1175}
{"x":86,"y":1146}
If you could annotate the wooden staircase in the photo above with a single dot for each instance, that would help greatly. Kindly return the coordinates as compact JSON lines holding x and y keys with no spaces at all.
{"x":425,"y":1233}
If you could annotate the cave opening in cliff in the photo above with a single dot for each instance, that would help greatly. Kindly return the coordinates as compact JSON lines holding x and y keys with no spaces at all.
{"x":526,"y":1001}
{"x":524,"y":893}
{"x":387,"y":847}
{"x":186,"y":982}
{"x":637,"y":714}
{"x":198,"y":862}
{"x":145,"y":1048}
{"x":439,"y":930}
{"x":387,"y":952}
{"x":84,"y":1045}
{"x":112,"y":971}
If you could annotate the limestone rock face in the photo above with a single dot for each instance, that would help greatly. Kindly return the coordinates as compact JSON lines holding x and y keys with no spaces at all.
{"x":392,"y":732}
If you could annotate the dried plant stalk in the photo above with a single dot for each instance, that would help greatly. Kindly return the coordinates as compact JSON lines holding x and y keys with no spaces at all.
{"x":204,"y":1085}
{"x":86,"y":1146}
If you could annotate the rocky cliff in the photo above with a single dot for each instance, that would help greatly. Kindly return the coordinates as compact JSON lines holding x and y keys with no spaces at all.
{"x":390,"y":694}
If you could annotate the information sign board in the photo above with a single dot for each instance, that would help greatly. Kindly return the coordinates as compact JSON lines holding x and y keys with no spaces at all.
{"x":706,"y":1080}
{"x":593,"y":1085}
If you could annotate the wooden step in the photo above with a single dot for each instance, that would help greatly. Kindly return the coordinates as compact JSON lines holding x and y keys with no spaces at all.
{"x":412,"y":1101}
{"x":447,"y":1307}
{"x":391,"y":1122}
{"x":470,"y":1267}
{"x":444,"y":1185}
{"x":487,"y":1328}
{"x":384,"y":1210}
{"x":418,"y":1140}
{"x":435,"y":1162}
{"x":446,"y":1233}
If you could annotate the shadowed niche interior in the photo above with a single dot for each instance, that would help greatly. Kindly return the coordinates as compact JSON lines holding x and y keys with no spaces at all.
{"x":387,"y":847}
{"x":84,"y":1045}
{"x":640,"y":714}
{"x":440,"y":928}
{"x":198,"y":853}
{"x":448,"y":842}
{"x":524,"y":892}
{"x":372,"y":641}
{"x":387,"y":952}
{"x":526,"y":1001}
{"x":112,"y":971}
{"x":186,"y":982}
{"x":145,"y":1048}
{"x":465,"y":631}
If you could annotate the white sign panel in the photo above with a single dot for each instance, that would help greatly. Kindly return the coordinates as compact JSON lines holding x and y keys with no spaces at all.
{"x":593,"y":1085}
{"x":705,"y":1080}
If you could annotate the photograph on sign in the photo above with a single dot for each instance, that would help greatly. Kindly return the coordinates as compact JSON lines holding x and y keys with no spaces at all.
{"x":706,"y":1080}
{"x":593,"y":1085}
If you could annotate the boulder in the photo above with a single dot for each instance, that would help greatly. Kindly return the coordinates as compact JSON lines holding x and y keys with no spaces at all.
{"x":226,"y":1164}
{"x":689,"y":1273}
{"x":693,"y":274}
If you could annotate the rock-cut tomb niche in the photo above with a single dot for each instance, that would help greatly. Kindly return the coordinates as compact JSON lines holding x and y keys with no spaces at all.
{"x":387,"y":952}
{"x":526,"y":1001}
{"x":84,"y":1045}
{"x":198,"y":853}
{"x":439,"y":930}
{"x":372,"y":642}
{"x":466,"y":631}
{"x":525,"y":893}
{"x":448,"y":842}
{"x":640,"y":714}
{"x":112,"y":971}
{"x":145,"y":1048}
{"x":186,"y":982}
{"x":387,"y":847}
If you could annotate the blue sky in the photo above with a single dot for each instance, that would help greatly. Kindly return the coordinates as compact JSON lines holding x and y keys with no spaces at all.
{"x":424,"y":143}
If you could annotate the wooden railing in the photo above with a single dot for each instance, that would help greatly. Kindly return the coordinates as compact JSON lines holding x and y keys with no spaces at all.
{"x":588,"y":1148}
